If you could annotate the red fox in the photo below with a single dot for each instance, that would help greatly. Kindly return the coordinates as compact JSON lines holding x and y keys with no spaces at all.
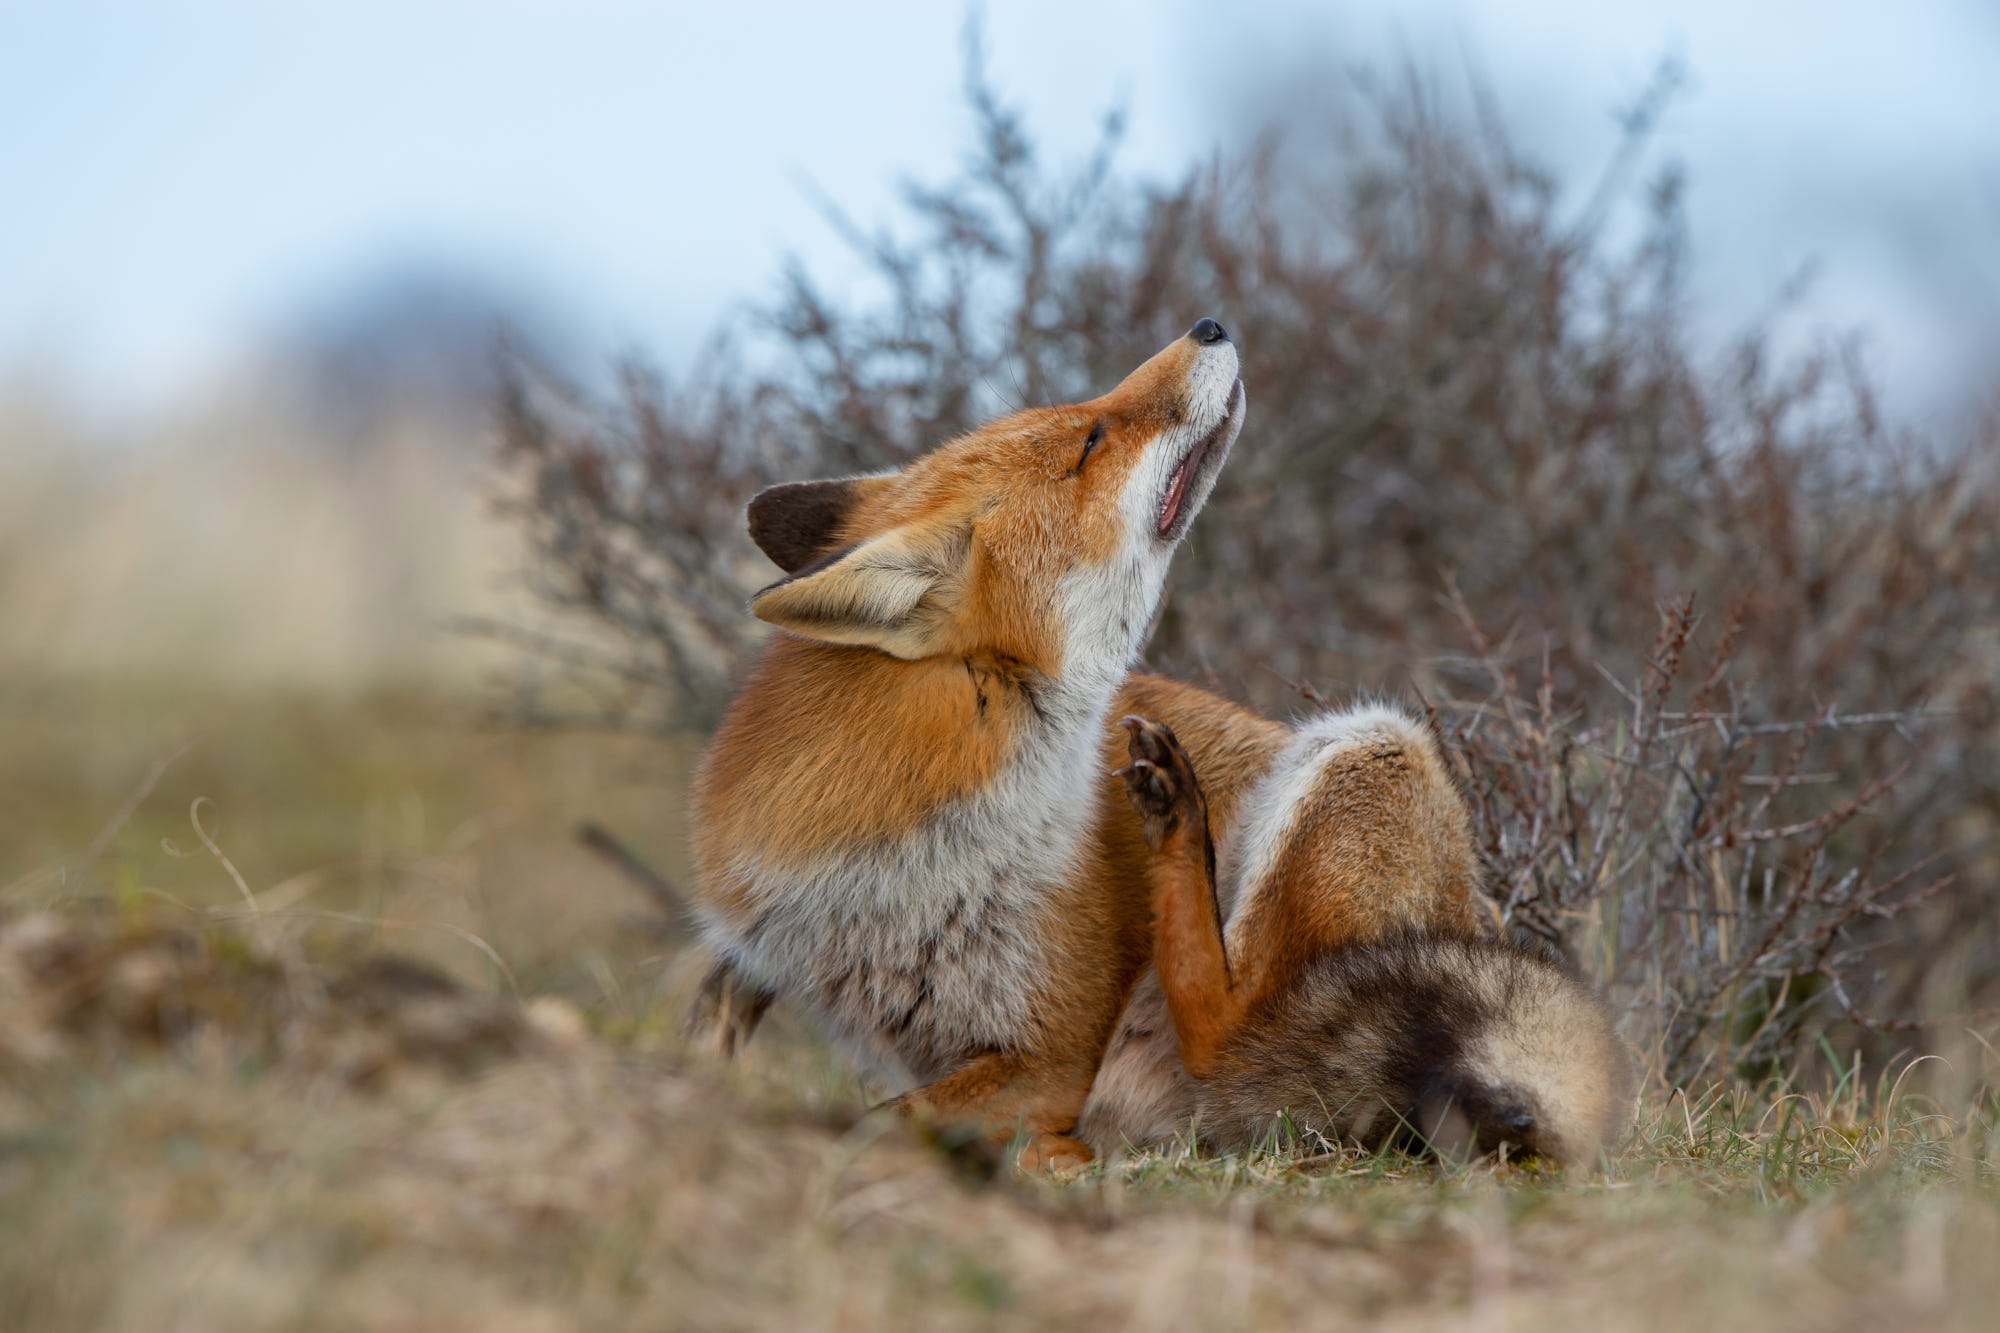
{"x":909,"y":818}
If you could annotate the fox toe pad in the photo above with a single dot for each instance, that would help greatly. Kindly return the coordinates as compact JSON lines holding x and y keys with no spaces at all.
{"x":1159,"y":780}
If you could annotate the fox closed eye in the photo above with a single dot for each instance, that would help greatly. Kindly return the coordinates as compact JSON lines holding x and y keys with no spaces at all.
{"x":1089,"y":444}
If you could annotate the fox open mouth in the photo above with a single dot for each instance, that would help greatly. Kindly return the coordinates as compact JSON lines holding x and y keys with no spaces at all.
{"x":1184,"y":476}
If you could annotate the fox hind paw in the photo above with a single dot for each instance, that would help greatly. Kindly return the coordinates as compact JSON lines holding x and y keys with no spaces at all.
{"x":1159,"y":781}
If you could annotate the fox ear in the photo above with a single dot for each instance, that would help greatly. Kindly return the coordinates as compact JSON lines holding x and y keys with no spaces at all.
{"x":796,"y":523}
{"x":895,"y":592}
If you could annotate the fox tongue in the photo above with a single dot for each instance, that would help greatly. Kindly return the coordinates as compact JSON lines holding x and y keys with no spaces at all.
{"x":1170,"y":508}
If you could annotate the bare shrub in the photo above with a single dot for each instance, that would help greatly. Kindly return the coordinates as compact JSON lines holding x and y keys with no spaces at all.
{"x":1687,"y":850}
{"x":1452,"y":379}
{"x":635,"y":518}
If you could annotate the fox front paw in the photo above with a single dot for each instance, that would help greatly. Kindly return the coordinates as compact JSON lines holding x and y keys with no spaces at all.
{"x":1159,"y":780}
{"x":726,"y":1011}
{"x":1054,"y":1155}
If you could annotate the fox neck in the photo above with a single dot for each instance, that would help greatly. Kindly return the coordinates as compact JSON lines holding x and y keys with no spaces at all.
{"x":834,"y":748}
{"x":1058,"y":717}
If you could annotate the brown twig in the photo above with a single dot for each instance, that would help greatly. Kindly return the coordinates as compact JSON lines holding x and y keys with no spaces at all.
{"x":656,"y":886}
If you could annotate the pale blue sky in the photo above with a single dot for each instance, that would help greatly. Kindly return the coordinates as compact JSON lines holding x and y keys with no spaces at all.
{"x":179,"y":178}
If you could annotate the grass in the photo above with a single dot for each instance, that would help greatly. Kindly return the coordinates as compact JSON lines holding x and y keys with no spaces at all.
{"x":220,"y":1114}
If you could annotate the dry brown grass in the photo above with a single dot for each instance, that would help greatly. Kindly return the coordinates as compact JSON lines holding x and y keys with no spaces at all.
{"x":578,"y":1191}
{"x":216,"y":1116}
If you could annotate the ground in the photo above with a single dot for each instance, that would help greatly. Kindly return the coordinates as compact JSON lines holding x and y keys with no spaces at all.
{"x":336,"y":1025}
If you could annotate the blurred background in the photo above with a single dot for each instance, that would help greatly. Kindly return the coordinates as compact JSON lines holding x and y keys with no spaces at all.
{"x":374,"y":374}
{"x":255,"y":256}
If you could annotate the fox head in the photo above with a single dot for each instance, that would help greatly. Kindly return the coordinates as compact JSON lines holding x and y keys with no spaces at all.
{"x":1041,"y":540}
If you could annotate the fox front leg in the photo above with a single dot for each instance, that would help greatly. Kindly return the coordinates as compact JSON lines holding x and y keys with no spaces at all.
{"x":1005,"y":1100}
{"x":726,"y":1010}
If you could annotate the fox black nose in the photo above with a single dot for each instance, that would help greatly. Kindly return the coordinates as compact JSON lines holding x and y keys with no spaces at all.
{"x":1208,"y":331}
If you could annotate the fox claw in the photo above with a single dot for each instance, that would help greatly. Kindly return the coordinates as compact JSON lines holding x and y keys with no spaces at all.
{"x":1159,"y":781}
{"x":726,"y":1010}
{"x":1146,"y":786}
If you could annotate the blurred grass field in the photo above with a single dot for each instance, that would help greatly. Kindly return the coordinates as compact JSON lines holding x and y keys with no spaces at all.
{"x":238,"y":1165}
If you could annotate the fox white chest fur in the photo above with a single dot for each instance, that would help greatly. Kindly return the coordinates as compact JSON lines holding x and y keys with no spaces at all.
{"x":925,"y":950}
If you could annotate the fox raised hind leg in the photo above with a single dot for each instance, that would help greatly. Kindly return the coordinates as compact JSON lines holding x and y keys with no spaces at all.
{"x":1340,"y":977}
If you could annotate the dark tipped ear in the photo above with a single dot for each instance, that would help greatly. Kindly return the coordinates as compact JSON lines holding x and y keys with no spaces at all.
{"x":798,"y":522}
{"x":899,"y":592}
